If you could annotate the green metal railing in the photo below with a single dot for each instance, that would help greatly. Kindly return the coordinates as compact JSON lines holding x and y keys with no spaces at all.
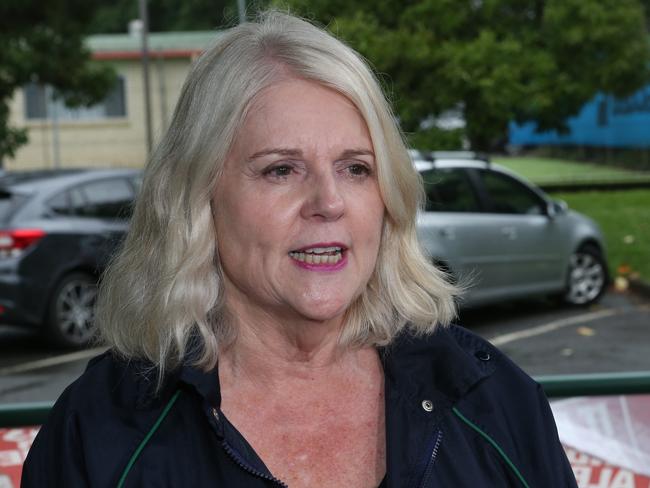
{"x":22,"y":414}
{"x":575,"y":385}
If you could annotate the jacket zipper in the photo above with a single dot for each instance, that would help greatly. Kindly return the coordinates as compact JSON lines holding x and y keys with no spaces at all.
{"x":246,"y":467}
{"x":432,"y":459}
{"x":213,"y":415}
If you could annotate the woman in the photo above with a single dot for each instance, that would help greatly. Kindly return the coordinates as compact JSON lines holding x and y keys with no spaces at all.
{"x":272,"y":319}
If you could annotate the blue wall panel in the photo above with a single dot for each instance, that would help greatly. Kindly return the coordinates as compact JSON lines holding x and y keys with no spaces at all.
{"x":605,"y":121}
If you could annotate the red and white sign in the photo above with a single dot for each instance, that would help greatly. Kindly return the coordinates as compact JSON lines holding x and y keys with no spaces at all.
{"x":607,"y":441}
{"x":591,"y":472}
{"x":615,"y":429}
{"x":14,"y":444}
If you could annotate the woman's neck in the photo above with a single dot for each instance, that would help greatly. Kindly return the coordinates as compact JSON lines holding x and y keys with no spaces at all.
{"x":281,"y":342}
{"x":268,"y":351}
{"x":322,"y":405}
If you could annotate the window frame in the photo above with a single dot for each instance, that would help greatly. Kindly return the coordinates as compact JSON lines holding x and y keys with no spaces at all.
{"x":466,"y":175}
{"x":126,"y":180}
{"x":82,"y":114}
{"x":487,"y":198}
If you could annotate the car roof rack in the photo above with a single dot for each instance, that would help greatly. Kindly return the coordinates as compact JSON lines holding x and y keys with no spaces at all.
{"x":9,"y":178}
{"x":471,"y":155}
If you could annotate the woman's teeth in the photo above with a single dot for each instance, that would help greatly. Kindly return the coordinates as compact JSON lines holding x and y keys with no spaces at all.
{"x":318,"y":255}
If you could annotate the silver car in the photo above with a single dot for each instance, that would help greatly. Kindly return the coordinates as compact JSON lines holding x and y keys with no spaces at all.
{"x":504,"y":237}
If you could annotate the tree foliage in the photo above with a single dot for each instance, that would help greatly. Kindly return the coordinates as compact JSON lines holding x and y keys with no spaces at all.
{"x":496,"y":60}
{"x":42,"y":41}
{"x":170,"y":15}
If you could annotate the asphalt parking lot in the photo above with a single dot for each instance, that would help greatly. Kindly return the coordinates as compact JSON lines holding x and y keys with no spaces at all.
{"x":538,"y":335}
{"x":612,"y":336}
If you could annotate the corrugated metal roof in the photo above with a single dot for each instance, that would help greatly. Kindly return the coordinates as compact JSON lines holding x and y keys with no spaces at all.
{"x":158,"y":41}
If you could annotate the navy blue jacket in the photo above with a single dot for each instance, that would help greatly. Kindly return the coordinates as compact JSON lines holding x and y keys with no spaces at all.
{"x":458,"y":414}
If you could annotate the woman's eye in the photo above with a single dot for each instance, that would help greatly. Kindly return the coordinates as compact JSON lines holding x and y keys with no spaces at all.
{"x":281,"y":171}
{"x":358,"y":169}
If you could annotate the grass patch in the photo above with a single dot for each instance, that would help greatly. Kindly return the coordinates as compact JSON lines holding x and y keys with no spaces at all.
{"x":547,"y":170}
{"x":624,"y":217}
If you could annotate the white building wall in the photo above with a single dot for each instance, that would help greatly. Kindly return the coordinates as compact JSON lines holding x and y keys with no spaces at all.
{"x":109,"y":142}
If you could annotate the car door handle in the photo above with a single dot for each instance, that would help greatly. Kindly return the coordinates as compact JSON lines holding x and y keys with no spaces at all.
{"x":509,"y":232}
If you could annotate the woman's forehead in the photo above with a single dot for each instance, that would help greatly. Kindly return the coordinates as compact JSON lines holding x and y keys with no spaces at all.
{"x":298,"y":112}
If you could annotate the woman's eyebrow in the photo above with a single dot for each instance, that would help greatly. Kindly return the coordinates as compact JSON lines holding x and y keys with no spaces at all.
{"x":297,"y":153}
{"x":350,"y":153}
{"x":282,"y":151}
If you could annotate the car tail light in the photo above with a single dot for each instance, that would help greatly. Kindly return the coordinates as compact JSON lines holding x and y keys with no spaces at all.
{"x":13,"y":242}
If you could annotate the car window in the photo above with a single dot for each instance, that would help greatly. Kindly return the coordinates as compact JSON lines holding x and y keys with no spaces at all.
{"x":106,"y":199}
{"x":77,"y":201}
{"x":60,"y":204}
{"x":449,"y":190}
{"x":507,"y":195}
{"x":136,"y":181}
{"x":9,"y":203}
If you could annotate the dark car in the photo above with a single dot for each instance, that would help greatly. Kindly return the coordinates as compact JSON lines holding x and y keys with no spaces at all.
{"x":58,"y":230}
{"x":505,"y":237}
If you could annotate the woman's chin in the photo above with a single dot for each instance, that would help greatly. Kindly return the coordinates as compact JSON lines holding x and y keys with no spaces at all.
{"x":323,"y":312}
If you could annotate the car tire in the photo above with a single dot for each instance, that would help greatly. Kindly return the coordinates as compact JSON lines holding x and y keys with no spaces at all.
{"x":586,"y":277}
{"x":71,"y":313}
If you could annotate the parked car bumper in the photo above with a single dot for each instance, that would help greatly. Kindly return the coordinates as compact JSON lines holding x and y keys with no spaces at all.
{"x":17,"y":301}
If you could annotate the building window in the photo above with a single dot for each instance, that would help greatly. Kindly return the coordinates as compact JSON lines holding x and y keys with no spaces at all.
{"x":39,"y":104}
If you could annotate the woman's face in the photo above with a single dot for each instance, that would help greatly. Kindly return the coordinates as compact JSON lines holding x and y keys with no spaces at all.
{"x":297,"y":209}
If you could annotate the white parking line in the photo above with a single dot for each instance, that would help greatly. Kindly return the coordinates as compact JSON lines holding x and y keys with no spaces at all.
{"x":54,"y":361}
{"x":500,"y":340}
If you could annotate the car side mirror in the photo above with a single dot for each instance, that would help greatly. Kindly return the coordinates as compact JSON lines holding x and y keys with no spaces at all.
{"x":556,"y":207}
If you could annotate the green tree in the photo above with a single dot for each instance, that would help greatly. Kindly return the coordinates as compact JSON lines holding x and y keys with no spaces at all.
{"x":42,"y":41}
{"x":495,"y":60}
{"x":170,"y":15}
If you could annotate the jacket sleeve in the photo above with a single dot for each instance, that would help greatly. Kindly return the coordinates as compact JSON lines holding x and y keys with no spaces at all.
{"x":544,"y":457}
{"x":56,"y":458}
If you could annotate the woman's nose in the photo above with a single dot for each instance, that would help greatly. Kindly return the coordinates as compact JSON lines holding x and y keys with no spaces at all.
{"x":324,"y":198}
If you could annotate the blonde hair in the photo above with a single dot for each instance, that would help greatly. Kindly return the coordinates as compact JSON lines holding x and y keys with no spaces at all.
{"x":162,"y":296}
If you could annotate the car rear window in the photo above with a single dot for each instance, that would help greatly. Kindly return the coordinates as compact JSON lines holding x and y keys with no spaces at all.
{"x":9,"y":203}
{"x":109,"y":198}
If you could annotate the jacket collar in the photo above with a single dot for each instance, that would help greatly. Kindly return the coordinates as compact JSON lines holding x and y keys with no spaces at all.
{"x":439,"y":368}
{"x":205,"y":383}
{"x":445,"y":364}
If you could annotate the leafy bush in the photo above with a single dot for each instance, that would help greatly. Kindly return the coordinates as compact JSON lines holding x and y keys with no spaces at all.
{"x":436,"y":139}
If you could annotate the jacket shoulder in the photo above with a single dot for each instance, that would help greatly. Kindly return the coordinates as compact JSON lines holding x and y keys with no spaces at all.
{"x":510,"y":408}
{"x":461,"y":360}
{"x":466,"y":369}
{"x":492,"y":359}
{"x":495,"y":374}
{"x":91,"y":428}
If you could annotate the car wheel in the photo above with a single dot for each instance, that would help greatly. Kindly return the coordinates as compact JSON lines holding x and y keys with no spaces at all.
{"x":71,"y":321}
{"x":587,"y":276}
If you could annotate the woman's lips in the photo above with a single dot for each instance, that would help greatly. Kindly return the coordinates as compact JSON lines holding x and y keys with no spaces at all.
{"x":320,"y":256}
